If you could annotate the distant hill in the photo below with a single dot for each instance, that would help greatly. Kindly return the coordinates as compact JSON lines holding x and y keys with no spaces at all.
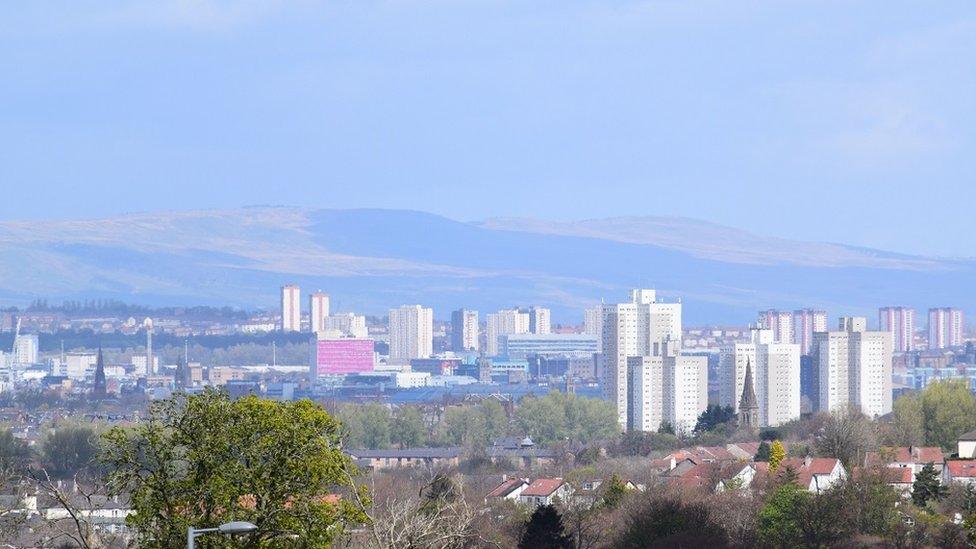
{"x":370,"y":260}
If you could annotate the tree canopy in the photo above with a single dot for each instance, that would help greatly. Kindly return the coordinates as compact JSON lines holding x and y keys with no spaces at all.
{"x":560,"y":417}
{"x":202,"y":460}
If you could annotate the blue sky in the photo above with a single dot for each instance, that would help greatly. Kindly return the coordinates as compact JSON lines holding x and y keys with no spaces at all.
{"x":841,"y":121}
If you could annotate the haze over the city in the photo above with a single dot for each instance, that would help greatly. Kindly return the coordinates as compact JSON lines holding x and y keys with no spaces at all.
{"x":840,"y":122}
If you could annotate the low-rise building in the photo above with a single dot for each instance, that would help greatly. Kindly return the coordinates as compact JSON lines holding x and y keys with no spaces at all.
{"x":545,"y":491}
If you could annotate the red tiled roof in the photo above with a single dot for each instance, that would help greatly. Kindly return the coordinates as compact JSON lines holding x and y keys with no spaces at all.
{"x":907,"y":454}
{"x":961,"y":468}
{"x":505,"y":488}
{"x":542,"y":487}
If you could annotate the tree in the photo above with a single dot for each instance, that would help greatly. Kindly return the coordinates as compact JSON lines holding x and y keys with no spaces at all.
{"x":408,"y":429}
{"x":615,"y":491}
{"x":206,"y":459}
{"x":907,"y":427}
{"x":777,"y":453}
{"x":927,"y":486}
{"x":560,"y":417}
{"x":69,"y":450}
{"x":14,"y":453}
{"x":665,"y":428}
{"x":713,"y":416}
{"x":664,"y":520}
{"x":948,"y":410}
{"x":365,"y":425}
{"x":792,"y":517}
{"x":846,"y":435}
{"x":545,"y":530}
{"x":762,"y":454}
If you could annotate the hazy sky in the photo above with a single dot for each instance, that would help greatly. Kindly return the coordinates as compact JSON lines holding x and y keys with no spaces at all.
{"x":842,"y":121}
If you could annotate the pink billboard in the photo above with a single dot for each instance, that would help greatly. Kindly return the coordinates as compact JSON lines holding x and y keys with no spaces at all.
{"x":344,"y":356}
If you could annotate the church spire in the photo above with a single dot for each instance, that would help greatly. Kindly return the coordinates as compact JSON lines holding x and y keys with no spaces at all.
{"x":748,"y":403}
{"x":98,"y":388}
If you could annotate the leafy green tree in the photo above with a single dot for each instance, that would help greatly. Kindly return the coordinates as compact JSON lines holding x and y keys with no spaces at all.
{"x":666,"y":428}
{"x":558,"y":417}
{"x":464,"y":426}
{"x":70,"y":449}
{"x":927,"y":486}
{"x":206,"y":459}
{"x":778,"y":524}
{"x":408,"y":429}
{"x":545,"y":530}
{"x":366,"y":425}
{"x":496,"y":421}
{"x":713,"y":416}
{"x":948,"y":410}
{"x":762,"y":454}
{"x":777,"y":453}
{"x":907,"y":427}
{"x":14,"y":453}
{"x":615,"y":491}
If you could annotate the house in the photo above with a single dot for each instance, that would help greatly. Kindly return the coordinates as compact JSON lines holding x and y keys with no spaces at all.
{"x":704,"y":454}
{"x":911,"y":457}
{"x":812,"y":474}
{"x":521,"y":453}
{"x":509,"y":489}
{"x":545,"y":491}
{"x":590,"y":493}
{"x":744,"y":450}
{"x":959,"y":470}
{"x":406,"y":457}
{"x":966,"y":445}
{"x":717,"y":476}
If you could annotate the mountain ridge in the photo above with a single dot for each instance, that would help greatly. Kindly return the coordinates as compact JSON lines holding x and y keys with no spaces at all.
{"x":372,"y":259}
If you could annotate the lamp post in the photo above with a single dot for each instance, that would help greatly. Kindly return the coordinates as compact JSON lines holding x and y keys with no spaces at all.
{"x":228,"y":529}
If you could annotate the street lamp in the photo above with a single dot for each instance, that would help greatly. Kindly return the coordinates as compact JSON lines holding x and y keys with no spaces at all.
{"x":228,"y":529}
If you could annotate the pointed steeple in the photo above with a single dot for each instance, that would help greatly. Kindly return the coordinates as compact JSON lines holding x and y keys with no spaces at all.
{"x":98,"y":388}
{"x":748,"y":403}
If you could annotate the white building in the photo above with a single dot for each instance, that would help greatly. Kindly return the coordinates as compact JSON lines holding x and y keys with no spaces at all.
{"x":776,"y":368}
{"x":291,"y":312}
{"x":593,"y":322}
{"x":504,"y":322}
{"x":139,"y":365}
{"x":411,"y":332}
{"x":464,"y":330}
{"x":346,"y":324}
{"x":667,"y":388}
{"x":945,"y":327}
{"x":25,"y":349}
{"x":900,"y":322}
{"x":780,"y":322}
{"x":636,"y":329}
{"x":318,"y":309}
{"x":805,"y":323}
{"x":78,"y":365}
{"x":854,"y":367}
{"x":539,"y":321}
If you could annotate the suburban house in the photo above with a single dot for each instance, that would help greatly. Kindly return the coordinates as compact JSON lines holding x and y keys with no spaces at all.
{"x":509,"y":489}
{"x":911,"y":457}
{"x":959,"y":470}
{"x":966,"y":446}
{"x":590,"y":493}
{"x":406,"y":457}
{"x":545,"y":491}
{"x":812,"y":474}
{"x":717,"y":476}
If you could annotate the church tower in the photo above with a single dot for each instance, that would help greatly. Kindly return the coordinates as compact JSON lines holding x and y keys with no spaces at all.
{"x":748,"y":404}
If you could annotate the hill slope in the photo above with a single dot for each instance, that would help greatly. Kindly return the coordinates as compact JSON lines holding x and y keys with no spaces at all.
{"x":373,"y":259}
